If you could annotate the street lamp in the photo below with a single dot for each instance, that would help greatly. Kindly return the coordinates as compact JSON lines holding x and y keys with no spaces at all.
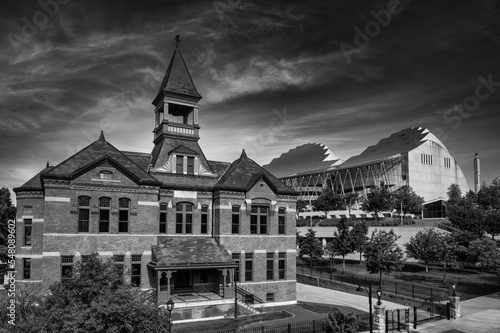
{"x":369,"y":303}
{"x":379,"y":294}
{"x":170,"y":307}
{"x":453,"y":290}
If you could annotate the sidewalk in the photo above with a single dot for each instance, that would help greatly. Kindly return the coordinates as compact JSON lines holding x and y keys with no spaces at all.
{"x":478,"y":315}
{"x":313,"y":294}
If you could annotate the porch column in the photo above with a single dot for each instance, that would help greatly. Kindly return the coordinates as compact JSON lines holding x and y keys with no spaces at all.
{"x":224,"y":274}
{"x":169,"y":275}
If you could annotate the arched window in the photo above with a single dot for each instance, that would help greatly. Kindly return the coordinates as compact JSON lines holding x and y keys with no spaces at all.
{"x":163,"y":218}
{"x":104,"y":213}
{"x":83,"y":214}
{"x":123,"y":214}
{"x":184,"y":218}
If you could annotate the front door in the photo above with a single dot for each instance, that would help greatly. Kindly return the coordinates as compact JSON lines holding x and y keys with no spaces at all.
{"x":182,"y":281}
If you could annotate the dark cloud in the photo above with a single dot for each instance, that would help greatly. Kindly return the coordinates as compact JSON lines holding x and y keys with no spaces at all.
{"x":272,"y":73}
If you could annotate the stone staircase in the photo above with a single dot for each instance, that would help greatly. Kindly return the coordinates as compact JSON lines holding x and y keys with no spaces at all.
{"x":248,"y":307}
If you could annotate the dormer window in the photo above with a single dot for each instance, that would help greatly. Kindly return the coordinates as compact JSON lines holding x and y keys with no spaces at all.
{"x":105,"y":175}
{"x":184,"y":164}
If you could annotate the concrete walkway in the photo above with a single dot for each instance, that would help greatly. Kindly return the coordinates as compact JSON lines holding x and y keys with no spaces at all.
{"x":313,"y":294}
{"x":478,"y":315}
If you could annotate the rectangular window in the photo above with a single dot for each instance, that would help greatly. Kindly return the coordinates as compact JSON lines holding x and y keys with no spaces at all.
{"x":447,"y":162}
{"x":135,"y":274}
{"x":27,"y":268}
{"x":190,"y":165}
{"x":85,"y":258}
{"x":204,"y":219}
{"x":248,"y":266}
{"x":258,"y":220}
{"x":27,"y":231}
{"x":104,"y":213}
{"x":66,"y":268}
{"x":119,"y":260}
{"x":163,"y":218}
{"x":281,"y":220}
{"x":269,"y":297}
{"x":179,"y":164}
{"x":123,"y":214}
{"x":281,"y":265}
{"x":184,"y":218}
{"x":236,"y":259}
{"x":235,"y":220}
{"x":83,"y":214}
{"x":270,"y":266}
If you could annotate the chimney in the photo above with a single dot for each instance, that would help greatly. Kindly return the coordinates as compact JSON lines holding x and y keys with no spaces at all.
{"x":477,"y":174}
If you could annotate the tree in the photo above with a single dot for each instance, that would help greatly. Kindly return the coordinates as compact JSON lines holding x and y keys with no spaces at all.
{"x":427,"y":245}
{"x":448,"y":256}
{"x":484,"y":251}
{"x":350,"y":200}
{"x":408,"y":200}
{"x":298,"y":239}
{"x":300,"y":206}
{"x":342,"y":243}
{"x":379,"y":199}
{"x":462,"y":240}
{"x":96,"y":299}
{"x":492,"y":223}
{"x":466,"y":215}
{"x":382,"y":254}
{"x":454,"y":194}
{"x":7,"y":212}
{"x":328,"y":201}
{"x":488,"y":197}
{"x":339,"y":322}
{"x":359,"y":236}
{"x":311,"y":246}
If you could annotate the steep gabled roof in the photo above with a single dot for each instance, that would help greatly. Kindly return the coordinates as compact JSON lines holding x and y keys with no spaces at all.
{"x":177,"y":79}
{"x":94,"y":154}
{"x":244,"y":173}
{"x":34,"y":183}
{"x":398,"y":143}
{"x":307,"y":158}
{"x":141,"y":159}
{"x":219,"y":167}
{"x":184,"y":150}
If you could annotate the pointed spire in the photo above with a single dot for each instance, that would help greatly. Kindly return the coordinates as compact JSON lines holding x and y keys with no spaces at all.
{"x":101,"y":137}
{"x":243,"y":154}
{"x":177,"y":41}
{"x":48,"y":165}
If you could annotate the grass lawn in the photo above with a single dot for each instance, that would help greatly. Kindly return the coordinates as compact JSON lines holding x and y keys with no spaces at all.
{"x":470,"y":282}
{"x":230,"y":323}
{"x":325,"y":308}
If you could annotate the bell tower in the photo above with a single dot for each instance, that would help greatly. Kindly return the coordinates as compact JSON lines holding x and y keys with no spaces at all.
{"x":176,"y":129}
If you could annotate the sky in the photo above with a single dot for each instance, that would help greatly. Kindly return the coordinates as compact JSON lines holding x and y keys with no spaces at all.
{"x":273,"y":75}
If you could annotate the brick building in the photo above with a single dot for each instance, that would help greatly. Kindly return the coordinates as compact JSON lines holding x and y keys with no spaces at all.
{"x":182,"y":226}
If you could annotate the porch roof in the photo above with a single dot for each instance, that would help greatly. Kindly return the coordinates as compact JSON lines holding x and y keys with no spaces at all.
{"x":189,"y":252}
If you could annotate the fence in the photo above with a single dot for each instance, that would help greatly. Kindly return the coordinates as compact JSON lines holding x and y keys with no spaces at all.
{"x":416,"y":292}
{"x":310,"y":326}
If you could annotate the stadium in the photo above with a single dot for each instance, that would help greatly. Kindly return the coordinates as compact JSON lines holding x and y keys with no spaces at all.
{"x":414,"y":157}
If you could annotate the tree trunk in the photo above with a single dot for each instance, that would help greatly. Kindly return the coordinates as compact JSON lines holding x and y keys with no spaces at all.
{"x":444,"y":273}
{"x":426,"y":268}
{"x":331,"y":269}
{"x":343,"y":264}
{"x":380,"y":282}
{"x":360,"y":253}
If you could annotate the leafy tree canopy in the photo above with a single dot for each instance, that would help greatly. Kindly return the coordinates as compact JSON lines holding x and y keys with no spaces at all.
{"x":339,"y":322}
{"x":382,"y":254}
{"x":488,"y":197}
{"x":342,"y":243}
{"x":328,"y":201}
{"x":407,"y":199}
{"x":96,"y":299}
{"x":7,"y":212}
{"x":427,"y":245}
{"x":311,"y":246}
{"x":379,"y":199}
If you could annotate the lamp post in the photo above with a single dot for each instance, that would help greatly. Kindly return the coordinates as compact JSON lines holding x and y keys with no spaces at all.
{"x":379,"y":295}
{"x":170,"y":307}
{"x":453,"y":290}
{"x":369,"y":303}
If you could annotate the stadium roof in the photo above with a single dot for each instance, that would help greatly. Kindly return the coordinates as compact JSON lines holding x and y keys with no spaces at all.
{"x":315,"y":157}
{"x":398,"y":143}
{"x":303,"y":159}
